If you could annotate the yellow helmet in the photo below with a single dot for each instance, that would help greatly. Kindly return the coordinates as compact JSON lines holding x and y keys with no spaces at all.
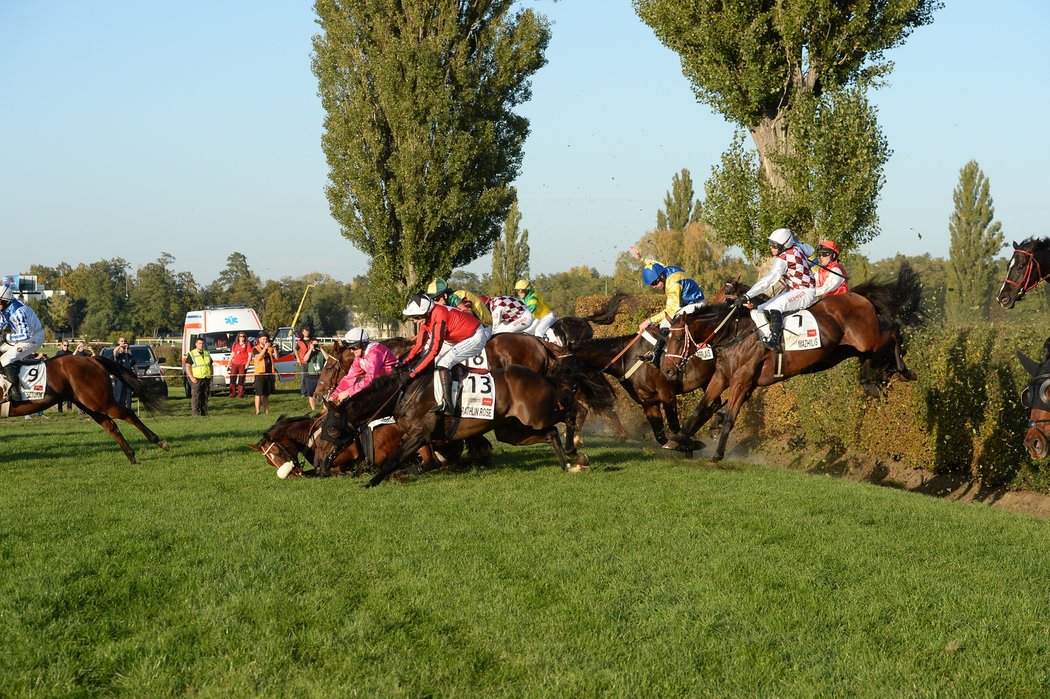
{"x":522,"y":285}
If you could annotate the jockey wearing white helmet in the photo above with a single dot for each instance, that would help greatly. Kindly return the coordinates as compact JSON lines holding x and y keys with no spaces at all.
{"x":791,"y":269}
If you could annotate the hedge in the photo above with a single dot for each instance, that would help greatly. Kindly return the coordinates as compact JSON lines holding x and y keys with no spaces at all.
{"x":961,"y":416}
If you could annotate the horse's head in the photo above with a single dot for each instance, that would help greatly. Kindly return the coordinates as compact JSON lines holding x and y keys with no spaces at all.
{"x":1036,"y":397}
{"x":730,"y":289}
{"x":680,"y":346}
{"x":1028,"y":266}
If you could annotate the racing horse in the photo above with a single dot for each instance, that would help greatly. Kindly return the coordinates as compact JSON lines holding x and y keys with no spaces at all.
{"x":1029,"y":265}
{"x":863,"y":323}
{"x":85,"y":381}
{"x":1036,"y":397}
{"x":527,"y":409}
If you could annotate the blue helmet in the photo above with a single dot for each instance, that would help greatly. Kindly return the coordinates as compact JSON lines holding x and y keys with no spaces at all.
{"x":652,"y":273}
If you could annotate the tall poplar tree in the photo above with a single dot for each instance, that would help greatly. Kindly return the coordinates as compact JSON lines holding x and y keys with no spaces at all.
{"x":976,"y":240}
{"x":510,"y":255}
{"x":680,"y":205}
{"x":420,"y":134}
{"x":789,"y":72}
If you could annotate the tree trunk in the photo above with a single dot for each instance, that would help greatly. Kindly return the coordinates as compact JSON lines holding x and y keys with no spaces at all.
{"x":771,"y":138}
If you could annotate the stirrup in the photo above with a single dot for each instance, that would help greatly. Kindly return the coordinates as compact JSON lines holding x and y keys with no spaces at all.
{"x":769,"y":343}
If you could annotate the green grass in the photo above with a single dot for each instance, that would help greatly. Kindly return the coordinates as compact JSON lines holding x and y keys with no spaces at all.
{"x":197,"y":571}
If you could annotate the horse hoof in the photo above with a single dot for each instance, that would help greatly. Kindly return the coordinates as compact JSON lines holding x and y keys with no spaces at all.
{"x":164,"y":445}
{"x":582,"y":460}
{"x":576,"y":468}
{"x":671,"y":445}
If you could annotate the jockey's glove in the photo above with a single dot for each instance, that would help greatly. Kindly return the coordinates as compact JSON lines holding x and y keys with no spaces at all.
{"x":741,"y":300}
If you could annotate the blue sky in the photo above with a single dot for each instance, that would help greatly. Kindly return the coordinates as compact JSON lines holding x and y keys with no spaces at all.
{"x":132,"y":129}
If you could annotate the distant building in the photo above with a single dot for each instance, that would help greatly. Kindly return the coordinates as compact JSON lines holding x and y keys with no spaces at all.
{"x":28,"y":288}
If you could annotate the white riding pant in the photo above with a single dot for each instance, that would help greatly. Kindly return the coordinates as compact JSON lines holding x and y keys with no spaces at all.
{"x":518,"y":325}
{"x":540,"y":326}
{"x":13,"y":352}
{"x":450,"y":355}
{"x":785,"y":302}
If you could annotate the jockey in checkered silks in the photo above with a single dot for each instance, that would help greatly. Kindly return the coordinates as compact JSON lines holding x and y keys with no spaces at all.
{"x":791,"y":269}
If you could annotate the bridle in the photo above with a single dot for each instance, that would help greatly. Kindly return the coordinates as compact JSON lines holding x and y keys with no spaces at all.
{"x":1029,"y":281}
{"x":691,"y":347}
{"x":1036,"y":401}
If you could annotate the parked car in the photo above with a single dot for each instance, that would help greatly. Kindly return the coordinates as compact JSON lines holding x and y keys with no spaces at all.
{"x":147,"y":366}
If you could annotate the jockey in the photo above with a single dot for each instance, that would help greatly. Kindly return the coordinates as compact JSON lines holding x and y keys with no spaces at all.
{"x":542,"y":315}
{"x":831,"y":275}
{"x":681,"y":294}
{"x":441,"y":293}
{"x":371,"y":360}
{"x":473,"y":303}
{"x":509,"y":315}
{"x":453,"y":335}
{"x":25,"y":335}
{"x":790,"y":268}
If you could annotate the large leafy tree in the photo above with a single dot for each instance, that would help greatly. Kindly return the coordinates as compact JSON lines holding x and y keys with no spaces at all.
{"x":237,"y":283}
{"x":680,"y":204}
{"x":510,"y":254}
{"x":161,"y":297}
{"x":790,"y":73}
{"x":102,"y":290}
{"x":420,"y":134}
{"x":976,"y":241}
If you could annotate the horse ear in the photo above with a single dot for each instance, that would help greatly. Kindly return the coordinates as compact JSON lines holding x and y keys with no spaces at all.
{"x":1015,"y":244}
{"x":1030,"y":365}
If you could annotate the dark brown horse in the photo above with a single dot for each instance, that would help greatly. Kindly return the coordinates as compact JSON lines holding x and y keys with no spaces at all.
{"x":863,"y":323}
{"x":1029,"y":265}
{"x":527,"y":409}
{"x":85,"y":381}
{"x":340,"y":358}
{"x":507,"y":349}
{"x":1036,"y":397}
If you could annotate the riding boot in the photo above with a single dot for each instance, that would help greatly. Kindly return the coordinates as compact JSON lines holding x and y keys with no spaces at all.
{"x":443,"y":380}
{"x":776,"y":331}
{"x":15,"y":391}
{"x":658,"y":349}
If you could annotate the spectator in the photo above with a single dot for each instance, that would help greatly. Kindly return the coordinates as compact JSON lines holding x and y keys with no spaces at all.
{"x":311,"y":360}
{"x":63,"y":350}
{"x":198,"y":366}
{"x":122,"y":355}
{"x":264,"y":359}
{"x":84,"y":350}
{"x":240,"y":351}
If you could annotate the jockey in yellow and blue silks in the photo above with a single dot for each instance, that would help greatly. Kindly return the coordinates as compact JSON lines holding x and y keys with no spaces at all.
{"x":680,"y":292}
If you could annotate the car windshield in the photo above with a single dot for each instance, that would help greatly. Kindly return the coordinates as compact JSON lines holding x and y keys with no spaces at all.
{"x":221,"y":341}
{"x":142,"y":354}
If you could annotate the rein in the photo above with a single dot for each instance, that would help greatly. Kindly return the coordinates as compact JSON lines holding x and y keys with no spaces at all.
{"x":637,"y":336}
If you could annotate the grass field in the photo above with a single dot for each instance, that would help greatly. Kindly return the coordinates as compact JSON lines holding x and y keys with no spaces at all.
{"x":199,"y":572}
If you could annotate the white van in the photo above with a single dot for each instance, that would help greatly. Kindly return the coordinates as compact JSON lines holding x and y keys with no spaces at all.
{"x":219,"y":326}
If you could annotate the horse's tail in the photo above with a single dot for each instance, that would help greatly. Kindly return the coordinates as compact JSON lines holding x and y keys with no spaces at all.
{"x":154,"y":402}
{"x":571,"y":375}
{"x":895,"y":303}
{"x":607,"y":313}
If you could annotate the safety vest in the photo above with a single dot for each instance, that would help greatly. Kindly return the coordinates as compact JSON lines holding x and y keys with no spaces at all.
{"x":200,"y":365}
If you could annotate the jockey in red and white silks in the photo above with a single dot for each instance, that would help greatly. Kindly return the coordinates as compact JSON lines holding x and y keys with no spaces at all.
{"x":831,"y":275}
{"x":791,"y":268}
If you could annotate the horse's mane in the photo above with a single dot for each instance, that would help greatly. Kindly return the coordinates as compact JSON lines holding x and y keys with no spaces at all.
{"x":372,"y":397}
{"x":895,"y":302}
{"x":285,"y":421}
{"x":1034,"y":244}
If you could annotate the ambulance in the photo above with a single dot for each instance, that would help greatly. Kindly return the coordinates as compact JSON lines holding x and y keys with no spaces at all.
{"x":219,"y":326}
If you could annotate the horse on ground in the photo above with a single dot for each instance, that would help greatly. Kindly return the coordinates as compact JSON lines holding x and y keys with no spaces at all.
{"x":1029,"y":265}
{"x":527,"y":408}
{"x":1036,"y":397}
{"x":863,"y":323}
{"x":85,"y":382}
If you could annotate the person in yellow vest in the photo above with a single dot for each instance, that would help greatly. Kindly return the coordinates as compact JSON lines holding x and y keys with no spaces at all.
{"x":198,"y":369}
{"x":542,"y":315}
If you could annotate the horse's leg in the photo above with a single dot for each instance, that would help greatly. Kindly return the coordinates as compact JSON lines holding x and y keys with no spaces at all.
{"x":655,"y":417}
{"x":409,"y":445}
{"x":106,"y":423}
{"x":708,"y":406}
{"x":738,"y":393}
{"x":581,"y":416}
{"x":555,"y":440}
{"x":671,"y":411}
{"x":131,"y":418}
{"x":903,"y":370}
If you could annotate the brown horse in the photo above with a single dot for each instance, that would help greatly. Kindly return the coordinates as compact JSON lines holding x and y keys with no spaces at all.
{"x":85,"y":381}
{"x":291,"y":437}
{"x":507,"y":349}
{"x":1036,"y":397}
{"x":863,"y":323}
{"x":527,"y":409}
{"x":1029,"y":265}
